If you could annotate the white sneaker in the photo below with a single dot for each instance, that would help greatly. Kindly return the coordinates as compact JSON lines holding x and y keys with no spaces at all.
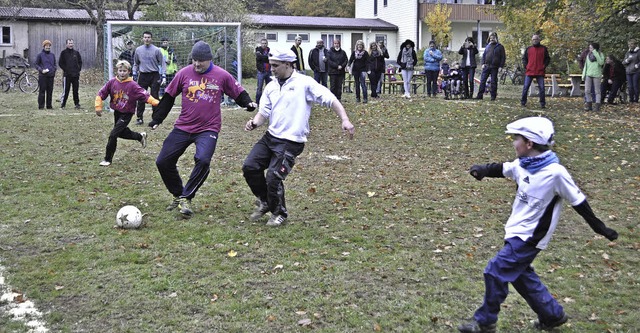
{"x":105,"y":163}
{"x":143,"y":141}
{"x":276,"y":220}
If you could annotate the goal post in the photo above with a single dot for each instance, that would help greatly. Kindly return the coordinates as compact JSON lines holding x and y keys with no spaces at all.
{"x":224,"y":38}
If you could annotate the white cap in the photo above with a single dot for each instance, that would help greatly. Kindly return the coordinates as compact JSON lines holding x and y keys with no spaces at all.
{"x":279,"y":55}
{"x":537,"y":129}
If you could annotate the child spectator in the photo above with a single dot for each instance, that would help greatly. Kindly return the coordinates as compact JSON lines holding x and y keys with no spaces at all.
{"x":124,"y":94}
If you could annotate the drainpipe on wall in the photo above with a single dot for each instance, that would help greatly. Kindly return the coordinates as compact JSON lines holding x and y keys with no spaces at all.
{"x":478,"y":41}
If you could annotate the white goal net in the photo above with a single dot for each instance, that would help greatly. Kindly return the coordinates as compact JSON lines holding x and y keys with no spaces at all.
{"x":224,"y":38}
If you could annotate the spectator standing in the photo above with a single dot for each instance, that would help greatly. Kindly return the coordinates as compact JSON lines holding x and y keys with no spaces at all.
{"x":591,"y":75}
{"x":542,"y":185}
{"x":631,"y":62}
{"x":263,"y":67}
{"x":46,"y":66}
{"x":127,"y":54}
{"x":149,"y":70}
{"x":407,"y":59}
{"x":385,"y":53}
{"x":581,"y":60}
{"x":359,"y":64}
{"x":123,"y":93}
{"x":199,"y":122}
{"x":227,"y":58}
{"x":337,"y":63}
{"x":70,"y":62}
{"x":170,"y":62}
{"x":288,"y":116}
{"x":432,"y":57}
{"x":493,"y":60}
{"x":613,"y":77}
{"x":534,"y":61}
{"x":299,"y":64}
{"x":468,"y":65}
{"x":318,"y":62}
{"x":376,"y":68}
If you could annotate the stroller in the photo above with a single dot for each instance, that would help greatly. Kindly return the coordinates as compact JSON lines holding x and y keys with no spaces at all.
{"x":452,"y":83}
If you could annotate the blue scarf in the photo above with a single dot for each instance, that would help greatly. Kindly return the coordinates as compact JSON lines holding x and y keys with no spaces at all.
{"x":535,"y":163}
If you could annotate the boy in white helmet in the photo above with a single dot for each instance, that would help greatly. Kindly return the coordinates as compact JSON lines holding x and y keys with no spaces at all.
{"x":542,"y":185}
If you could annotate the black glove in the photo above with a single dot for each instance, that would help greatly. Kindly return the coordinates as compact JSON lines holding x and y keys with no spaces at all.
{"x":611,"y":234}
{"x":479,"y":171}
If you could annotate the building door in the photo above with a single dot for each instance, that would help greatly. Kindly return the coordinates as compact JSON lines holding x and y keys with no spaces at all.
{"x":354,"y":38}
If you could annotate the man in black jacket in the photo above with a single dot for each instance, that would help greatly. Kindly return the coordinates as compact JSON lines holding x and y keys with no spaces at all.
{"x":71,"y":63}
{"x":337,"y":62}
{"x":318,"y":62}
{"x":493,"y":60}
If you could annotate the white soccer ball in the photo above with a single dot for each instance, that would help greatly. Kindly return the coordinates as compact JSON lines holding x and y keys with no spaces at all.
{"x":129,"y":217}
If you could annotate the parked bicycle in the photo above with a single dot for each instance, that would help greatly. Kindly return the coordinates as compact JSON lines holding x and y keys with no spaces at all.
{"x":18,"y":74}
{"x":516,"y":75}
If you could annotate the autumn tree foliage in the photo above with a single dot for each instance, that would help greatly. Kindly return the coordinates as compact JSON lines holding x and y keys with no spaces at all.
{"x":329,"y":8}
{"x":439,"y":25}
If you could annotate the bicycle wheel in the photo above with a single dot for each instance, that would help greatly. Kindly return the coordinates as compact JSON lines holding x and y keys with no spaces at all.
{"x":503,"y":77}
{"x":28,"y":83}
{"x":5,"y":83}
{"x":518,"y":79}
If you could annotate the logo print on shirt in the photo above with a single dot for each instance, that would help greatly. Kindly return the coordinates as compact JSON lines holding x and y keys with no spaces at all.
{"x":526,"y":179}
{"x":198,"y":91}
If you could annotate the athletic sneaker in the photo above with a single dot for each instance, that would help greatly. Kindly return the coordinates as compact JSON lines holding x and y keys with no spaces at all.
{"x":261,"y":208}
{"x":174,"y":203}
{"x":474,"y":327}
{"x":549,"y":326}
{"x":185,"y":210}
{"x":143,"y":140}
{"x":276,"y":220}
{"x":105,"y":163}
{"x":139,"y":122}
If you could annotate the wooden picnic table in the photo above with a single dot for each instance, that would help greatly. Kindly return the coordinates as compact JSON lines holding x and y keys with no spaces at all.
{"x":576,"y":85}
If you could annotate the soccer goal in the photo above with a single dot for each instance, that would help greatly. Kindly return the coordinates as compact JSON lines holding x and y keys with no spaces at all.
{"x":224,"y":38}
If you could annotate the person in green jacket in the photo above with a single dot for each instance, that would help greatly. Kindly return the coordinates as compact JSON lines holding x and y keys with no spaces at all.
{"x":592,"y":74}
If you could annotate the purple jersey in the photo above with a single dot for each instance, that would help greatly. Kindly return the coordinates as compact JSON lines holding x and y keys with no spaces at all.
{"x":201,"y":94}
{"x":124,"y":94}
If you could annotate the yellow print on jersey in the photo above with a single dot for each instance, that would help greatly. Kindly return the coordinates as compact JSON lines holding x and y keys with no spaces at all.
{"x":120,"y":98}
{"x":203,"y":90}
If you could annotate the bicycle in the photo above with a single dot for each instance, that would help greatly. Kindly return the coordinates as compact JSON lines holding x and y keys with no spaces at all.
{"x":516,"y":75}
{"x":27,"y":82}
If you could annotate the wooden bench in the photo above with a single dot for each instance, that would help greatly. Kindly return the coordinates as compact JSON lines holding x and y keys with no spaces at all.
{"x":551,"y":85}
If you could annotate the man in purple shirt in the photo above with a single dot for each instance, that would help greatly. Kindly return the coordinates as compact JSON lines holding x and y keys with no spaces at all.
{"x":199,"y":122}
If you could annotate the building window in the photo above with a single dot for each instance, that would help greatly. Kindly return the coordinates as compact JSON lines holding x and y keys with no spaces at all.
{"x":485,"y":2}
{"x":291,"y":37}
{"x":329,"y":38}
{"x":269,"y":36}
{"x":381,"y":38}
{"x":483,"y":39}
{"x":6,"y":36}
{"x":384,"y":3}
{"x":375,"y":7}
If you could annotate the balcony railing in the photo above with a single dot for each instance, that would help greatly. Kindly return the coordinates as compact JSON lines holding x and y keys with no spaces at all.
{"x":463,"y":12}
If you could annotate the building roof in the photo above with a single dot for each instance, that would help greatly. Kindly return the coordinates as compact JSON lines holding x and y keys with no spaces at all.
{"x":275,"y":21}
{"x":58,"y":14}
{"x":321,"y":22}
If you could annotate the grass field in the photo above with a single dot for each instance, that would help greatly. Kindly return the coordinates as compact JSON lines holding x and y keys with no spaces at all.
{"x":386,"y":233}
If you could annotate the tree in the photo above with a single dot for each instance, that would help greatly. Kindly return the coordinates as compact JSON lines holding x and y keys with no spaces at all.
{"x":439,"y":25}
{"x":332,"y":8}
{"x":97,"y":13}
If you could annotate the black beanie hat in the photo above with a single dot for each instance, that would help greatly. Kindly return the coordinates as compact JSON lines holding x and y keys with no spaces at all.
{"x":201,"y":51}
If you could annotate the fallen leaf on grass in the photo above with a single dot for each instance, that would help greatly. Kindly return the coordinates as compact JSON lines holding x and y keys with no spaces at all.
{"x":304,"y":322}
{"x":568,"y":300}
{"x":232,"y":253}
{"x":593,"y":317}
{"x":271,"y":318}
{"x":214,"y":298}
{"x":59,"y":287}
{"x":371,"y":194}
{"x":377,"y":328}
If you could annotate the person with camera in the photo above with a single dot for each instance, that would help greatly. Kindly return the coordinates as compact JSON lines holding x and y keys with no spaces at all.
{"x":468,"y":66}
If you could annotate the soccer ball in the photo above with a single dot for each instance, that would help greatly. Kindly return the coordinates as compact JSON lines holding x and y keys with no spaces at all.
{"x":129,"y":217}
